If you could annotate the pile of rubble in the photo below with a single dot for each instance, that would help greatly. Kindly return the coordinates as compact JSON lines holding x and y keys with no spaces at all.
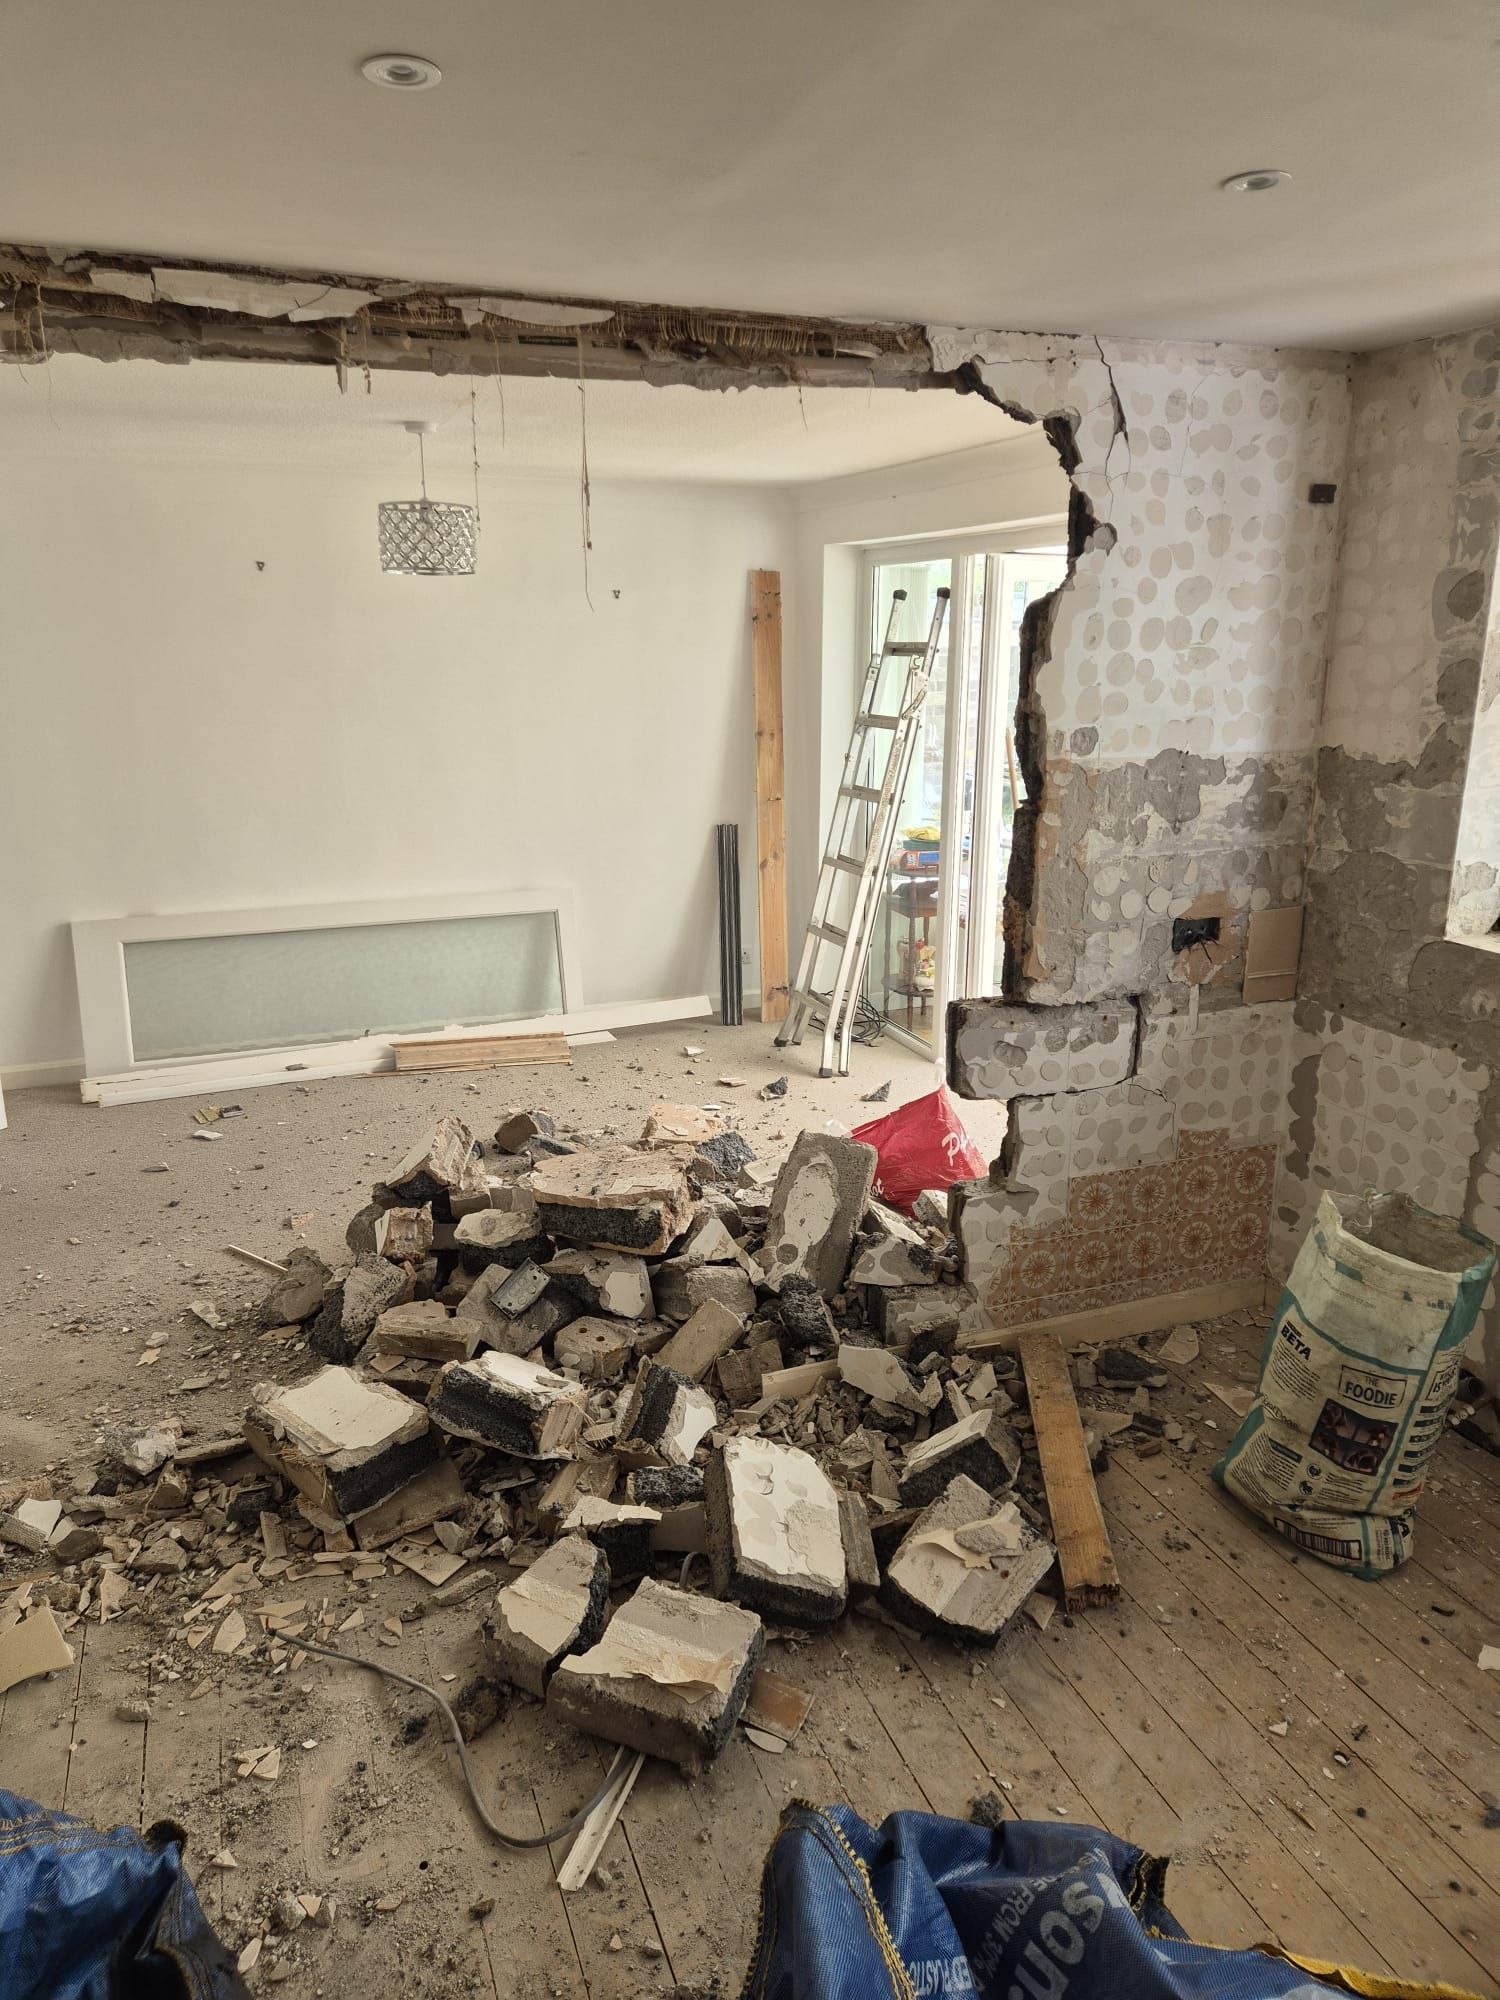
{"x":623,"y":1368}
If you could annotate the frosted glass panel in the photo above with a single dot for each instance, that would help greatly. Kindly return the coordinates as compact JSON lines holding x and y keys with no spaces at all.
{"x":275,"y":989}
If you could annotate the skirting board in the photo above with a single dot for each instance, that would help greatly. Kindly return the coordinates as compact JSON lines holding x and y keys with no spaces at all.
{"x":1127,"y":1321}
{"x":370,"y":1055}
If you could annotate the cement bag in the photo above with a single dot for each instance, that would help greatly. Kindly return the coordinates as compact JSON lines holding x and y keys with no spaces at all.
{"x":1358,"y":1371}
{"x":920,"y":1145}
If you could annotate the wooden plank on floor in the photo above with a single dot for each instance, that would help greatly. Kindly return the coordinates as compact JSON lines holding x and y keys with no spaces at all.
{"x":1084,"y":1558}
{"x":106,"y":1768}
{"x":36,"y":1726}
{"x":1343,"y":1771}
{"x":614,"y":1906}
{"x":480,"y":1051}
{"x":770,"y":791}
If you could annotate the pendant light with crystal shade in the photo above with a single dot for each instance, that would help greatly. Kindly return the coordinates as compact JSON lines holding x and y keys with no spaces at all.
{"x":426,"y":537}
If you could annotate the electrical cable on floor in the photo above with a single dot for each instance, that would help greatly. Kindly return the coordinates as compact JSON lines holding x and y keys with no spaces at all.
{"x":621,"y":1757}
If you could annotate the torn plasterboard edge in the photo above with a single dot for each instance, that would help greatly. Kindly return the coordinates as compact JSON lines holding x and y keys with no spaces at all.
{"x":262,"y":298}
{"x":532,"y":312}
{"x":367,"y":1055}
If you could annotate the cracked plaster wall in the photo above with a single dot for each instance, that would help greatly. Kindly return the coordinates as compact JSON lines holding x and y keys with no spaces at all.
{"x":1396,"y":1064}
{"x":1168,"y":739}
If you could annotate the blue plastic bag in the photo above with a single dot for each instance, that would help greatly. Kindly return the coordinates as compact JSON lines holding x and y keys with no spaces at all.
{"x":923,"y":1908}
{"x":86,"y":1915}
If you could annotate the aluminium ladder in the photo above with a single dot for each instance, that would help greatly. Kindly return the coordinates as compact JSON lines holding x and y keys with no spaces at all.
{"x":866,"y":809}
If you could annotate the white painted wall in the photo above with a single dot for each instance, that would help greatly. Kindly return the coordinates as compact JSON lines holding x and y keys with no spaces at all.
{"x":185,"y":730}
{"x":1000,"y":485}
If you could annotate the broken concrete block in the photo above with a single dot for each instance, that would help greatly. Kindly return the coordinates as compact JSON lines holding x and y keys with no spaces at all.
{"x":623,"y":1531}
{"x":804,"y":1314}
{"x":350,"y":1309}
{"x":298,"y":1292}
{"x":424,"y":1328}
{"x":614,"y":1197}
{"x":497,"y":1236}
{"x":402,"y":1234}
{"x":892,"y":1252}
{"x":699,"y":1342}
{"x":665,"y":1412}
{"x":560,"y":1605}
{"x":741,"y":1371}
{"x":713,"y":1238}
{"x":510,"y":1404}
{"x":1006,"y":1049}
{"x":606,"y":1281}
{"x":860,"y":1565}
{"x":903,"y":1312}
{"x":584,"y":1474}
{"x":877,"y":1372}
{"x":819,"y":1199}
{"x":446,"y":1160}
{"x":436,"y":1494}
{"x":982,"y":1446}
{"x":680,"y":1124}
{"x":965,"y":1566}
{"x":600,"y":1350}
{"x":665,"y":1485}
{"x":720,"y":1160}
{"x":517,"y":1310}
{"x":681,"y":1288}
{"x":775,"y":1542}
{"x":670,"y":1676}
{"x":516,"y":1127}
{"x":344,"y":1442}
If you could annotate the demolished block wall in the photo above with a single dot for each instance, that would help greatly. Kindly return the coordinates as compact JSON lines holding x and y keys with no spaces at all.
{"x":1168,"y":734}
{"x":1395,"y":1058}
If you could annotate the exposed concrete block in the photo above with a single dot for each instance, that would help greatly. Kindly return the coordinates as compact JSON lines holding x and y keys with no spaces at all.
{"x":622,"y":1530}
{"x":740,"y":1372}
{"x":425,"y":1328}
{"x":965,"y":1566}
{"x":721,"y":1160}
{"x":892,"y":1252}
{"x":803,"y":1313}
{"x":877,"y":1372}
{"x":497,"y":1236}
{"x":517,"y":1310}
{"x":1001,"y":1048}
{"x":349,"y":1311}
{"x":774,"y":1535}
{"x":981,"y":1445}
{"x":665,"y":1412}
{"x":670,"y":1676}
{"x":860,"y":1565}
{"x":558,"y":1606}
{"x":404,"y":1235}
{"x":665,"y":1485}
{"x":516,"y":1127}
{"x":614,"y":1197}
{"x":580,"y":1475}
{"x":680,"y":1124}
{"x":298,"y":1293}
{"x":600,"y":1350}
{"x":905,"y":1312}
{"x":510,"y":1404}
{"x":445,"y":1160}
{"x":606,"y":1281}
{"x":680,"y":1289}
{"x":344,"y":1442}
{"x":699,"y":1342}
{"x":816,"y":1206}
{"x":435,"y":1494}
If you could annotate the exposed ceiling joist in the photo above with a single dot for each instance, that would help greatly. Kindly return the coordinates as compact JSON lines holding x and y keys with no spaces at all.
{"x":114,"y":307}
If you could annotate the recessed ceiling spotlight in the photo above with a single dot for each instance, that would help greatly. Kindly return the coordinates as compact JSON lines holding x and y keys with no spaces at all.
{"x":401,"y":72}
{"x":1259,"y":180}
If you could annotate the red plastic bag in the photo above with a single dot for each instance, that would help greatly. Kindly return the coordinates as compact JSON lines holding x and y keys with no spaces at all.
{"x":921,"y":1145}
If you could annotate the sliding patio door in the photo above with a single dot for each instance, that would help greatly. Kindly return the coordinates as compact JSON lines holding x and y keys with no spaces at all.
{"x":939,"y":935}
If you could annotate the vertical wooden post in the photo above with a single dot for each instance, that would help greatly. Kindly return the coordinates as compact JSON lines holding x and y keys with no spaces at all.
{"x":770,"y":789}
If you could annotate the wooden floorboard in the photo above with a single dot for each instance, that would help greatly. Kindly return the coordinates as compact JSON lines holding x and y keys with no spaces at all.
{"x":1359,"y":1834}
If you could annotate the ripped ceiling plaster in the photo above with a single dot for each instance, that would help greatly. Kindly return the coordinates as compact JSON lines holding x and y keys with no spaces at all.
{"x":119,"y":307}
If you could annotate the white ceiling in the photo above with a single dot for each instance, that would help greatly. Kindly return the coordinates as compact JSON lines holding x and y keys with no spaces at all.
{"x":1015,"y":163}
{"x":257,"y":413}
